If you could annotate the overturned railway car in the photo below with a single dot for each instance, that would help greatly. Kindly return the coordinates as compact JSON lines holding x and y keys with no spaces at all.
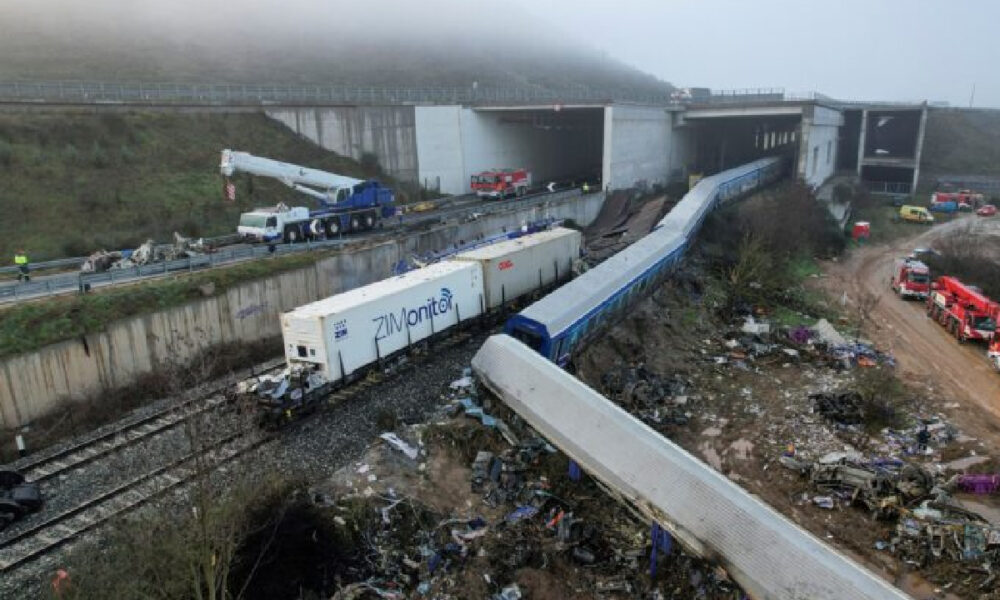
{"x":560,"y":322}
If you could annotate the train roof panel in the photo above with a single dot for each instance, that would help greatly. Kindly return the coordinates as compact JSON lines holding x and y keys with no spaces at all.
{"x":561,"y":308}
{"x":379,"y":289}
{"x":499,"y":249}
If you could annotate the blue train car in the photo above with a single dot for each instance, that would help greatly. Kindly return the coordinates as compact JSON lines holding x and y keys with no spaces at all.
{"x":557,"y":324}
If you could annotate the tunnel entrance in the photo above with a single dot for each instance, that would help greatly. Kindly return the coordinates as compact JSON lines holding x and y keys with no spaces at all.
{"x":560,"y":144}
{"x":726,"y":142}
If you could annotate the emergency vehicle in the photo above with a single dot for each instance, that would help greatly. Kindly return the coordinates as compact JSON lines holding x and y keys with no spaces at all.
{"x":501,"y":183}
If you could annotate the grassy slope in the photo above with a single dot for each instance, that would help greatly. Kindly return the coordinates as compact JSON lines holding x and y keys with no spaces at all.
{"x":32,"y":325}
{"x":382,"y":62}
{"x":74,"y":183}
{"x":962,"y":142}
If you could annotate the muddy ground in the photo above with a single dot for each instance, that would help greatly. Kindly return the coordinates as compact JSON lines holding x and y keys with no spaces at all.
{"x":741,"y":413}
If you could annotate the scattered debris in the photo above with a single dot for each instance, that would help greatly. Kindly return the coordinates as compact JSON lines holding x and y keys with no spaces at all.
{"x":394,"y":441}
{"x":283,"y":396}
{"x":149,"y":252}
{"x":827,"y":334}
{"x":526,"y":515}
{"x":842,"y":407}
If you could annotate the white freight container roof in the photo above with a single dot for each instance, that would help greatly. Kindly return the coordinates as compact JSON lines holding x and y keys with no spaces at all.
{"x":503,"y":248}
{"x":379,"y":289}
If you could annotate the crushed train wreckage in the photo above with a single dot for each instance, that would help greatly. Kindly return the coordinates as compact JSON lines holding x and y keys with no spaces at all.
{"x":525,"y":524}
{"x":148,"y":253}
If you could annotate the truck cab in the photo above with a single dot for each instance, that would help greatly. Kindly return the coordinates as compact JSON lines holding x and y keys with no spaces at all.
{"x":910,"y":279}
{"x":269,"y":224}
{"x":501,"y":183}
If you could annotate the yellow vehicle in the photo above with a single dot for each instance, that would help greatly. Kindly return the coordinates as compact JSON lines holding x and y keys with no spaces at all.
{"x":916,"y":214}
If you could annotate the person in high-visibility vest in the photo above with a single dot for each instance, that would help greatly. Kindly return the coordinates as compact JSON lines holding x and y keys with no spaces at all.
{"x":21,"y":261}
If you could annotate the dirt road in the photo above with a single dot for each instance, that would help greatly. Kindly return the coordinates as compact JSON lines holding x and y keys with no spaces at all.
{"x":925,"y":352}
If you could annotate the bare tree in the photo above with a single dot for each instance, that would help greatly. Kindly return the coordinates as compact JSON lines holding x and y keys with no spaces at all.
{"x":865,"y":305}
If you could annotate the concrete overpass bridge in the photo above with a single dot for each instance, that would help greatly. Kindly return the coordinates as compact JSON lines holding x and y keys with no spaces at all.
{"x":440,"y":136}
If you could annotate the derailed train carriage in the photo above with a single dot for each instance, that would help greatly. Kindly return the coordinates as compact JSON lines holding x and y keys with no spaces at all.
{"x":557,"y":324}
{"x":334,"y":341}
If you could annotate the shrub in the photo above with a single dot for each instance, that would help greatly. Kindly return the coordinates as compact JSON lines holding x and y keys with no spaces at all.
{"x":6,"y":154}
{"x":970,"y":257}
{"x":99,"y":156}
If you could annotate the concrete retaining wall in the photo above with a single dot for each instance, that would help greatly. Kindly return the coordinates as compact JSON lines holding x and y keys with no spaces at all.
{"x":639,"y":145}
{"x":385,"y":131}
{"x":36,"y":384}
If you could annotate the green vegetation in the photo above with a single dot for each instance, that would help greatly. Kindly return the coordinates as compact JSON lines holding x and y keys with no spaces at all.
{"x":962,"y":141}
{"x":971,"y":256}
{"x":764,"y":248}
{"x":76,"y":183}
{"x":31,"y":325}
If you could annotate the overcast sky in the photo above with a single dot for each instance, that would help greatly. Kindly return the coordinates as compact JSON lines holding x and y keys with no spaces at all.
{"x":864,"y":49}
{"x":850,"y":49}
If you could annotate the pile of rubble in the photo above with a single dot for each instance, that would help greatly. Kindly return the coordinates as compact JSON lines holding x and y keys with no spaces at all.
{"x":756,"y":340}
{"x":657,"y":400}
{"x":932,"y":526}
{"x":147,"y":253}
{"x":478,"y":505}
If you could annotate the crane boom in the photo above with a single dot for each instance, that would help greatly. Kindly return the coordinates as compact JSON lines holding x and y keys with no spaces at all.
{"x":328,"y":188}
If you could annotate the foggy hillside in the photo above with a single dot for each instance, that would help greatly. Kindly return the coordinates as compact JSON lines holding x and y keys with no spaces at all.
{"x":374,"y":43}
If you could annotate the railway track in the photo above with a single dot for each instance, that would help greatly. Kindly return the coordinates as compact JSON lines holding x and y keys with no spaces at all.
{"x":57,"y":530}
{"x":53,"y":531}
{"x":129,"y":433}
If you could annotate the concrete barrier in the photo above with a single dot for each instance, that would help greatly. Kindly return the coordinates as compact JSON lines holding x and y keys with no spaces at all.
{"x":37,"y":383}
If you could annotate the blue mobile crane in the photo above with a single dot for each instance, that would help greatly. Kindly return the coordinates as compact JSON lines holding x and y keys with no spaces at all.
{"x":346,"y":205}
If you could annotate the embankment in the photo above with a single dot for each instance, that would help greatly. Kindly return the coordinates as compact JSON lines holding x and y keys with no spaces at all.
{"x":35,"y":384}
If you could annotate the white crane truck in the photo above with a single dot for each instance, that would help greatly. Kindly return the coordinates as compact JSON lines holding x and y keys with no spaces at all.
{"x":346,"y":204}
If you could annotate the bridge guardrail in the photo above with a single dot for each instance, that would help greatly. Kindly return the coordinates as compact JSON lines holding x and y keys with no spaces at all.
{"x":257,"y":94}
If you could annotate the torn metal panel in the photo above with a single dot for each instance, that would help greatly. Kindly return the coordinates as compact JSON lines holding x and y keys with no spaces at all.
{"x":768,"y":555}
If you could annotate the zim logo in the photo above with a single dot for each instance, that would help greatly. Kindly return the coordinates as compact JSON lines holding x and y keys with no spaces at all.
{"x":340,"y":329}
{"x":506,"y":264}
{"x":395,"y":322}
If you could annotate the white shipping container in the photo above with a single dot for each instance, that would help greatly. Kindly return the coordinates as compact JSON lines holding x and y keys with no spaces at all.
{"x":522,"y":265}
{"x":346,"y":332}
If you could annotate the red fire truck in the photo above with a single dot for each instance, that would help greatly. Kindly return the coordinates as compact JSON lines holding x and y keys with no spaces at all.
{"x":963,"y":199}
{"x":501,"y":183}
{"x":910,"y":278}
{"x":962,"y":309}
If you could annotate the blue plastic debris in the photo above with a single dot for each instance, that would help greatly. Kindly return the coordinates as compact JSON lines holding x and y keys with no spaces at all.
{"x":575,"y":473}
{"x":661,"y":541}
{"x":476,"y":412}
{"x":521,"y":513}
{"x":433,"y":563}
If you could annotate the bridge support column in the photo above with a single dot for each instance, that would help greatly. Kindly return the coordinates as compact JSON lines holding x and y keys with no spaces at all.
{"x":919,"y":149}
{"x":861,"y":139}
